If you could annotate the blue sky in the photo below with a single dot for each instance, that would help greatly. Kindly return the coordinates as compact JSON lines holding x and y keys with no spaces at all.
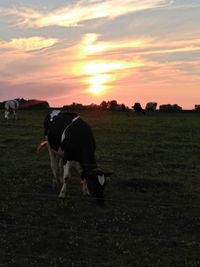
{"x":92,"y":50}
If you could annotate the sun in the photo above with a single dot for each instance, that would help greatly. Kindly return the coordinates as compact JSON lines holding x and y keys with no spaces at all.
{"x":99,"y":76}
{"x":98,"y":83}
{"x":98,"y":70}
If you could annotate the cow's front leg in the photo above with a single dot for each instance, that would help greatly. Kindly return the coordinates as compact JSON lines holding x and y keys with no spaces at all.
{"x":66,"y":175}
{"x":6,"y":114}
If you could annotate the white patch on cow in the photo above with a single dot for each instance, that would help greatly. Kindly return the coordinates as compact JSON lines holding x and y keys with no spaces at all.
{"x":101,"y":179}
{"x":63,"y":134}
{"x":54,"y":113}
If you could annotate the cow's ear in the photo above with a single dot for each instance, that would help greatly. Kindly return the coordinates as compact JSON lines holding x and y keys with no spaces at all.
{"x":108,"y":174}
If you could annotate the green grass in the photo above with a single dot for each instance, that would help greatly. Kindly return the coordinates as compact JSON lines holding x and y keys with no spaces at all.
{"x":151,"y":216}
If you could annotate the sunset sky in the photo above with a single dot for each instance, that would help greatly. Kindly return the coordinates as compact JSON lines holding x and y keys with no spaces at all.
{"x":87,"y":51}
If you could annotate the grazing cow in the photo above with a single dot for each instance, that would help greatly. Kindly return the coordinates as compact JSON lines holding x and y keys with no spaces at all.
{"x":151,"y":106}
{"x":11,"y":108}
{"x":138,"y":108}
{"x":69,"y":139}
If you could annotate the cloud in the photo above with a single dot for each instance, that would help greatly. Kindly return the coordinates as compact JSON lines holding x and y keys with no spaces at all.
{"x":92,"y":46}
{"x":29,"y":44}
{"x":75,"y":14}
{"x":171,"y":47}
{"x":184,"y":4}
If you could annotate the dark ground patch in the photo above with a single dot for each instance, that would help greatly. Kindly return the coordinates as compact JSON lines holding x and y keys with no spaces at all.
{"x":151,"y":185}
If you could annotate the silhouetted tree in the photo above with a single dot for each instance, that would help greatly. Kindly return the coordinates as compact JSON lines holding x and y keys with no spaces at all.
{"x":169,"y":107}
{"x":104,"y":105}
{"x":113,"y":104}
{"x":32,"y":104}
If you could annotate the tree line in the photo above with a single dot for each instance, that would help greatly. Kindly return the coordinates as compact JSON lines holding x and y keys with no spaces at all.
{"x":104,"y":105}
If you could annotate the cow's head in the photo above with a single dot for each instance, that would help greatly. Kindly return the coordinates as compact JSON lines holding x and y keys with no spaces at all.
{"x":96,"y":182}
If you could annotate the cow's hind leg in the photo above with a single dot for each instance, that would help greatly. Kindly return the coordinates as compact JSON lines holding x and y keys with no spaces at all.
{"x":66,"y":175}
{"x":55,"y":166}
{"x":60,"y":171}
{"x":14,"y":115}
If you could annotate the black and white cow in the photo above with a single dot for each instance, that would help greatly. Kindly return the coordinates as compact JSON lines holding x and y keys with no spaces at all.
{"x":70,"y":139}
{"x":151,"y":106}
{"x":11,"y":108}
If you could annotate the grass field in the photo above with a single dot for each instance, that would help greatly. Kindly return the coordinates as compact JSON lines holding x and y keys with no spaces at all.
{"x":152,"y":211}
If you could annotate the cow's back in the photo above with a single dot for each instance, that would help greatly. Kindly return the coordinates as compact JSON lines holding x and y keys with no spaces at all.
{"x":56,"y":126}
{"x":14,"y":104}
{"x":71,"y":136}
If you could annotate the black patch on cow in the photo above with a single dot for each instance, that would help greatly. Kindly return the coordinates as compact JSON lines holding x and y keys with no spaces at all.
{"x":78,"y":145}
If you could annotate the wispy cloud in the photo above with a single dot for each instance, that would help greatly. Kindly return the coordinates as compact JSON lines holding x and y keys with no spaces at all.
{"x":29,"y":44}
{"x":91,"y":45}
{"x":76,"y":14}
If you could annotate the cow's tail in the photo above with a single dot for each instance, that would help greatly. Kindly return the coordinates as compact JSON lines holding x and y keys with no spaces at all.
{"x":42,"y":145}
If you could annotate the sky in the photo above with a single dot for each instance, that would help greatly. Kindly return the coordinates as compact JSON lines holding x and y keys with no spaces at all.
{"x":87,"y":51}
